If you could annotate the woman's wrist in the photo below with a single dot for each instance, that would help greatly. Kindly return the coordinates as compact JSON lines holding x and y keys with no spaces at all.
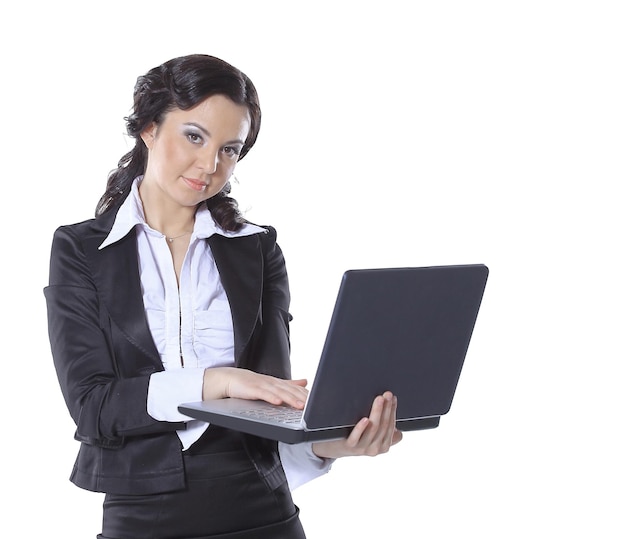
{"x":213,"y":385}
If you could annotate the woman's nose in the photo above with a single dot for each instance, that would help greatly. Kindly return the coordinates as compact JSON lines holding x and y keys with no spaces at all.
{"x":209,"y":160}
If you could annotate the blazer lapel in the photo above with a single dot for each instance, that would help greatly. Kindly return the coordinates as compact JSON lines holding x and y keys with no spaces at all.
{"x":116,"y":273}
{"x":240,"y":265}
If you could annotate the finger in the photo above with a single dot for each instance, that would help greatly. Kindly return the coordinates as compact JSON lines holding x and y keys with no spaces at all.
{"x":379,"y":435}
{"x":298,"y":393}
{"x":290,"y":392}
{"x":363,"y":433}
{"x":357,"y":433}
{"x":251,"y":385}
{"x":382,"y":426}
{"x":390,"y":424}
{"x":397,"y":437}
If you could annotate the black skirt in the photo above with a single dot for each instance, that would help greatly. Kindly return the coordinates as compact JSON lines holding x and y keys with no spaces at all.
{"x":225,"y":498}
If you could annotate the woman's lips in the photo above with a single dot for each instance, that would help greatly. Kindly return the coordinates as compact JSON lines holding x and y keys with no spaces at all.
{"x":196,"y":185}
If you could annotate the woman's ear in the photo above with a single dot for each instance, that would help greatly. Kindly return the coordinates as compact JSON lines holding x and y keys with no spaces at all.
{"x":148,"y":135}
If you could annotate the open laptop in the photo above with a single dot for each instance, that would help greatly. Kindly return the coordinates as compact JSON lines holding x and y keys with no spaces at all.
{"x":406,"y":330}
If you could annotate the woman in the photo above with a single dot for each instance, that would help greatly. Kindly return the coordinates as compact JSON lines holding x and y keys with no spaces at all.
{"x":169,"y":295}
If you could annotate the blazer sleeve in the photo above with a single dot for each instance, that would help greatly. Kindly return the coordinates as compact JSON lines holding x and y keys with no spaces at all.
{"x":270,"y":347}
{"x":105,"y":406}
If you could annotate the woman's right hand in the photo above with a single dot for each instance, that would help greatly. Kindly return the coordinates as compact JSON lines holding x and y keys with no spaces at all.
{"x":223,"y":382}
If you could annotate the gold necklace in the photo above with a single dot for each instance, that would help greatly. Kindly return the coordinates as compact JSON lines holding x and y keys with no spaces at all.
{"x":171,"y":239}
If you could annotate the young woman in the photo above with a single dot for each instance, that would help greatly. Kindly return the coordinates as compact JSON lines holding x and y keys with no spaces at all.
{"x":169,"y":295}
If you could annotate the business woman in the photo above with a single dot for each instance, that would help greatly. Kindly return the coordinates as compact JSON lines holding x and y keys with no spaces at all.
{"x":169,"y":295}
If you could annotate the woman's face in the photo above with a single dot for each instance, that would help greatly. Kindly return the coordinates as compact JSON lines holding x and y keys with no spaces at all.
{"x":193,"y":153}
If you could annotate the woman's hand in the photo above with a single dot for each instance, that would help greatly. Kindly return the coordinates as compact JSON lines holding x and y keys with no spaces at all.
{"x":371,"y":436}
{"x":222,"y":382}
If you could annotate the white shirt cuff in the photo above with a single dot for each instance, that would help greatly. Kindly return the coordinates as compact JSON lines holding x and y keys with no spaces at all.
{"x":301,"y":465}
{"x":168,"y":389}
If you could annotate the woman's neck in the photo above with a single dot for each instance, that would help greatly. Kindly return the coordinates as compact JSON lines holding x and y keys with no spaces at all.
{"x":165,"y":215}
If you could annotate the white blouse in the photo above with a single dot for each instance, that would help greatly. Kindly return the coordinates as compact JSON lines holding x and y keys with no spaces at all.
{"x":191,"y":324}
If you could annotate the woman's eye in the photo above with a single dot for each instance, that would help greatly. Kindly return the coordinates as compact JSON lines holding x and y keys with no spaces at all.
{"x":231,"y":151}
{"x":194,"y":138}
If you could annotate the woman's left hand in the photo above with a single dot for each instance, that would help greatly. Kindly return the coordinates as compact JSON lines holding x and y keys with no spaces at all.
{"x":371,"y":436}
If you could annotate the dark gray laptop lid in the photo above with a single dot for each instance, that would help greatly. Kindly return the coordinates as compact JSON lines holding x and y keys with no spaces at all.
{"x":406,"y":330}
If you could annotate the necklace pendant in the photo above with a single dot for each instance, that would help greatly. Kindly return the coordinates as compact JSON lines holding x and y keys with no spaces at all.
{"x":170,"y":240}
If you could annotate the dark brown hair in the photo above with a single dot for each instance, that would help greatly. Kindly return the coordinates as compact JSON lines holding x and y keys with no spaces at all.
{"x":182,"y":83}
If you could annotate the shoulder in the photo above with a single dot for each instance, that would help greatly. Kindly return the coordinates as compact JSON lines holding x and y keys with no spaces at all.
{"x":74,"y":230}
{"x":269,"y":242}
{"x":70,"y":237}
{"x":95,"y":228}
{"x":270,"y":234}
{"x":75,"y":245}
{"x":274,"y":259}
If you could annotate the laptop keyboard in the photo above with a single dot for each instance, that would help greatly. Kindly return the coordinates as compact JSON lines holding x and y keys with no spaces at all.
{"x":279,"y":414}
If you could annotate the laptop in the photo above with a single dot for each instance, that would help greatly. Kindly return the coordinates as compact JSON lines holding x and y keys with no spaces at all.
{"x":406,"y":330}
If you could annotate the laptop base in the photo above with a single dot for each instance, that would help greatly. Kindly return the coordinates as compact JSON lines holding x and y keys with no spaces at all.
{"x":290,"y":434}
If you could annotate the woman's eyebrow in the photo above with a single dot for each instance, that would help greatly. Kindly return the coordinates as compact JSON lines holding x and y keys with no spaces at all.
{"x":208,"y":134}
{"x":198,"y":126}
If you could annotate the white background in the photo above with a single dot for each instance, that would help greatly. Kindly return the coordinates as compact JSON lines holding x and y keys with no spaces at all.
{"x":394,"y":133}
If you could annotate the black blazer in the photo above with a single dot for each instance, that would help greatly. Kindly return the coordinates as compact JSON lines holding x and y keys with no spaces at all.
{"x":104,"y":353}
